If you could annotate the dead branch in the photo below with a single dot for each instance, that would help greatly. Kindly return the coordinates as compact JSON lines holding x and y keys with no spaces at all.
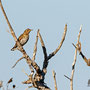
{"x":46,"y":58}
{"x":58,"y":48}
{"x":38,"y":77}
{"x":74,"y":62}
{"x":30,"y":80}
{"x":17,"y":61}
{"x":37,"y":80}
{"x":25,"y":73}
{"x":35,"y":47}
{"x":87,"y":61}
{"x":43,"y":46}
{"x":67,"y":77}
{"x":45,"y":63}
{"x":28,"y":59}
{"x":54,"y":76}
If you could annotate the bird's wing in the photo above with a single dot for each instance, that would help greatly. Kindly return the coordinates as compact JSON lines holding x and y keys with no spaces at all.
{"x":20,"y":37}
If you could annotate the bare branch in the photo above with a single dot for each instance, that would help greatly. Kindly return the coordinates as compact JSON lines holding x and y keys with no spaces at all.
{"x":43,"y":46}
{"x":74,"y":62}
{"x":38,"y":77}
{"x":28,"y":59}
{"x":25,"y":73}
{"x":38,"y":80}
{"x":83,"y":56}
{"x":11,"y":29}
{"x":17,"y":61}
{"x":63,"y":38}
{"x":54,"y":76}
{"x":45,"y":63}
{"x":35,"y":47}
{"x":46,"y":58}
{"x":30,"y":80}
{"x":67,"y":77}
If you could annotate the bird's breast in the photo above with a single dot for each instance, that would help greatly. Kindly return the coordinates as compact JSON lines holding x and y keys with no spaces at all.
{"x":24,"y":40}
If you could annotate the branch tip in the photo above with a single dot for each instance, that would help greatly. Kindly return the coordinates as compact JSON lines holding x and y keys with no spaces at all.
{"x":54,"y":76}
{"x":67,"y":77}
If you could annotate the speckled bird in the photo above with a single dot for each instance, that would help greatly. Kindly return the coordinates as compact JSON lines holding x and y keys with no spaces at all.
{"x":23,"y":38}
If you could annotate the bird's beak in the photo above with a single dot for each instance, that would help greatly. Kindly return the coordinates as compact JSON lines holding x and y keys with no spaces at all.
{"x":31,"y":29}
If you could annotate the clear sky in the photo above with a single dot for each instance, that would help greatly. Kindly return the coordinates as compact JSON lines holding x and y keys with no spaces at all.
{"x":50,"y":16}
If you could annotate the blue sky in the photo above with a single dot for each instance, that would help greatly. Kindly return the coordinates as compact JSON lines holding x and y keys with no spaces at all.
{"x":50,"y":16}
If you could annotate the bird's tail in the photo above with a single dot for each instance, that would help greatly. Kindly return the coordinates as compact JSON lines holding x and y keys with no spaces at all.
{"x":14,"y":48}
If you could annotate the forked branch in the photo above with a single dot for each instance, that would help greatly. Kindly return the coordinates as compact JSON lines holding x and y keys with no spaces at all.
{"x":87,"y":61}
{"x":28,"y":59}
{"x":58,"y":48}
{"x":46,"y":60}
{"x":36,"y":79}
{"x":74,"y":62}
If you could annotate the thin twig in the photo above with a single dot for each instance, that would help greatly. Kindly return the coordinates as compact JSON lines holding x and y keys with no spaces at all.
{"x":67,"y":77}
{"x":35,"y":46}
{"x":29,"y":87}
{"x":54,"y":76}
{"x":17,"y":61}
{"x":8,"y":31}
{"x":25,"y":73}
{"x":11,"y":29}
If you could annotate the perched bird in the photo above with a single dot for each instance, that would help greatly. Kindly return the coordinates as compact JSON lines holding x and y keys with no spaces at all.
{"x":23,"y":38}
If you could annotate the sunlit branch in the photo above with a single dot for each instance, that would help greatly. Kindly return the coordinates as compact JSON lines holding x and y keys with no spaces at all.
{"x":28,"y":59}
{"x":54,"y":76}
{"x":58,"y":48}
{"x":17,"y":61}
{"x":74,"y":62}
{"x":35,"y":46}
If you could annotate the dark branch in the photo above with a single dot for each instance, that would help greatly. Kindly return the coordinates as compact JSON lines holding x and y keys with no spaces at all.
{"x":43,"y":46}
{"x":57,"y":49}
{"x":67,"y":77}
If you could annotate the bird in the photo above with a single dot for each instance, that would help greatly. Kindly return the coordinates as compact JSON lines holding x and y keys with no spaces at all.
{"x":23,"y":38}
